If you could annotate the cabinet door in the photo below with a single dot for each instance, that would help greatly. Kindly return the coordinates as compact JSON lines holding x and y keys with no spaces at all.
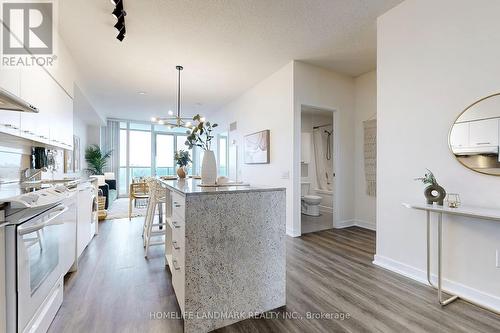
{"x":460,"y":135}
{"x":35,"y":88}
{"x":84,"y":219}
{"x":10,"y":120}
{"x":484,"y":133}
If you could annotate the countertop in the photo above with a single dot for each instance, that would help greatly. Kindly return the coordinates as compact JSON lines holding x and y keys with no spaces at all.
{"x":10,"y":190}
{"x":190,"y":187}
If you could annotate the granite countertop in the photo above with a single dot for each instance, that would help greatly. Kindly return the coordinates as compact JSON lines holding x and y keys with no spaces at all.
{"x":190,"y":187}
{"x":9,"y":190}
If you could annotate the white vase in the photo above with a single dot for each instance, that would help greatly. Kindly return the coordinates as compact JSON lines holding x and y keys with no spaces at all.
{"x":208,"y":168}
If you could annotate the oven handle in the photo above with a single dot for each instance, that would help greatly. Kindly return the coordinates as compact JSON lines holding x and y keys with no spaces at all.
{"x":28,"y":230}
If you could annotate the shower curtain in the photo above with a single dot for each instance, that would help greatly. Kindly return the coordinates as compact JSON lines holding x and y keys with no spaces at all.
{"x":324,"y":167}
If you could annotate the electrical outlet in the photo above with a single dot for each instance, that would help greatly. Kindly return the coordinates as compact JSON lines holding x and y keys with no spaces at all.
{"x":498,"y":259}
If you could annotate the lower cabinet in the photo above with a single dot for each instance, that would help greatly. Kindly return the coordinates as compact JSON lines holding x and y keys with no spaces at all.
{"x":84,"y":233}
{"x":175,"y":245}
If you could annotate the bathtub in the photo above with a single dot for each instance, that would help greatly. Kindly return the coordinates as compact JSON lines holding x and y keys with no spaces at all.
{"x":326,"y":204}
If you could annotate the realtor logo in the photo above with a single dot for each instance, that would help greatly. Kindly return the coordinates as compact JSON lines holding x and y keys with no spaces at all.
{"x":27,"y":33}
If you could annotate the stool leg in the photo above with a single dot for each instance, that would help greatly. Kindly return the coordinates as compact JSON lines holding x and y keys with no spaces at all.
{"x":130,"y":208}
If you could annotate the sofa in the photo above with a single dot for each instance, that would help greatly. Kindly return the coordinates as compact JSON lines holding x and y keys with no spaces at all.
{"x":107,"y":184}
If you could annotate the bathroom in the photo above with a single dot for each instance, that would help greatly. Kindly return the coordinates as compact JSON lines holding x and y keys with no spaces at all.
{"x":317,"y":169}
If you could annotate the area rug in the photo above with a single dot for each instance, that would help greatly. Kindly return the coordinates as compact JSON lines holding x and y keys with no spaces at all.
{"x":119,"y":209}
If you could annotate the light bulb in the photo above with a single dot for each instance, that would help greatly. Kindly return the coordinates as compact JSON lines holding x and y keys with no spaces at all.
{"x":170,"y":112}
{"x":202,"y":119}
{"x":153,"y":119}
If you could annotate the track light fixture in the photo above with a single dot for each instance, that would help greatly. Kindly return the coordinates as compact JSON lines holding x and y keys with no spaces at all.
{"x":119,"y":13}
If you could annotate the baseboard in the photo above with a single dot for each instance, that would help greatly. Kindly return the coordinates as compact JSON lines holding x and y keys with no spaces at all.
{"x":488,"y":301}
{"x":344,"y":224}
{"x":365,"y":224}
{"x":354,"y":223}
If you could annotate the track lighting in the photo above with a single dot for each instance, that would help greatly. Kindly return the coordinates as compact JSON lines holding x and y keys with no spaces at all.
{"x":121,"y":35}
{"x":119,"y":13}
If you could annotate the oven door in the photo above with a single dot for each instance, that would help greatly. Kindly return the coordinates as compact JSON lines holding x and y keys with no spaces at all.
{"x":38,"y":261}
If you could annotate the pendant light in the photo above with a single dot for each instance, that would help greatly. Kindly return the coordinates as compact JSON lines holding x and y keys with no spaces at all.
{"x":177,"y":120}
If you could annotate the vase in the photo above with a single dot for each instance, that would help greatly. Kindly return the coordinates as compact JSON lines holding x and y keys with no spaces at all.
{"x":181,"y":172}
{"x":208,"y":168}
{"x":435,"y":193}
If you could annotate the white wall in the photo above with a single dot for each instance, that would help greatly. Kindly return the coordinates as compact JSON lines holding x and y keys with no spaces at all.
{"x":321,"y":88}
{"x":434,"y":59}
{"x":268,"y":105}
{"x":365,"y":105}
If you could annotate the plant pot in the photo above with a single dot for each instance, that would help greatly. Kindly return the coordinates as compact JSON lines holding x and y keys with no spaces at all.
{"x":208,"y":168}
{"x":181,"y":172}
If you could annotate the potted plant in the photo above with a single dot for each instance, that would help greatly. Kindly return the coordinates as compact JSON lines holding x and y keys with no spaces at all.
{"x":182,"y":159}
{"x":96,"y":160}
{"x":201,"y":136}
{"x":433,"y":192}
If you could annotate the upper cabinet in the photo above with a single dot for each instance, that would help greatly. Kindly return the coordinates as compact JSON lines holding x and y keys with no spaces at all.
{"x":53,"y":125}
{"x":479,"y":133}
{"x":484,"y":132}
{"x":10,"y":122}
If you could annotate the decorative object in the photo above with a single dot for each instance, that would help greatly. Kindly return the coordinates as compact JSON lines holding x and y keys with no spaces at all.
{"x":201,"y":136}
{"x":96,"y":159}
{"x":370,"y":156}
{"x":101,"y":206}
{"x":474,"y":136}
{"x":433,"y":192}
{"x":453,"y":200}
{"x":257,"y":148}
{"x":208,"y":168}
{"x":182,"y":159}
{"x":177,"y":120}
{"x":76,"y":154}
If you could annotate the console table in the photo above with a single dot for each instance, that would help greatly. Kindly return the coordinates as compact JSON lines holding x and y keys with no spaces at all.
{"x":474,"y":212}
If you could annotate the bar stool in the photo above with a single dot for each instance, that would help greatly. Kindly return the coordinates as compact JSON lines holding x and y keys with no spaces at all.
{"x":151,"y":229}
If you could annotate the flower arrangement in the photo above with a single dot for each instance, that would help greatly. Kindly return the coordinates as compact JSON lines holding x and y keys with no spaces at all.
{"x":182,"y":158}
{"x":201,"y":133}
{"x":428,"y":178}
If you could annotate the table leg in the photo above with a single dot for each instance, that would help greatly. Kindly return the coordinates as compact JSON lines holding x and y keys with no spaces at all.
{"x":440,"y":259}
{"x":429,"y":249}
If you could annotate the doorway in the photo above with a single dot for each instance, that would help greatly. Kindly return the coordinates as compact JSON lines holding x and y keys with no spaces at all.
{"x":317,"y":169}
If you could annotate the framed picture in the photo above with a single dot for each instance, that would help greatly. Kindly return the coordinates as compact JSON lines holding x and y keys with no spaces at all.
{"x":76,"y":154}
{"x":257,"y":148}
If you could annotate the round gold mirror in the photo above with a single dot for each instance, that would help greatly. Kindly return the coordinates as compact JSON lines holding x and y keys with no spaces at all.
{"x":474,"y":137}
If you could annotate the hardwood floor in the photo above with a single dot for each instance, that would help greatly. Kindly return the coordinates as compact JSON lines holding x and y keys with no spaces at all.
{"x":116,"y":289}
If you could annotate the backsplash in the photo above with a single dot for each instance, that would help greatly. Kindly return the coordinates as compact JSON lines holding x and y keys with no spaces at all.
{"x":15,"y":154}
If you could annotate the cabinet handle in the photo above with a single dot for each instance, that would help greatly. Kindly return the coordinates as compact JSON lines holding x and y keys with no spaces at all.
{"x":177,"y":206}
{"x":11,"y":126}
{"x":175,"y":224}
{"x":174,"y":244}
{"x":176,"y":266}
{"x":483,"y":143}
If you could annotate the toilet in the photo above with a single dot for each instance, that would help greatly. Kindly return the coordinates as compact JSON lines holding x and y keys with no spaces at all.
{"x":309,"y":203}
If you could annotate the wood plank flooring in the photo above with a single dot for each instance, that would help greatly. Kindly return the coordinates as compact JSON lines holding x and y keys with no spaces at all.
{"x":116,"y":289}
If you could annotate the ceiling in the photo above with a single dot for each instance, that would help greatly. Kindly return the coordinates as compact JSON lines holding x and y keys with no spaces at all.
{"x":225,"y":46}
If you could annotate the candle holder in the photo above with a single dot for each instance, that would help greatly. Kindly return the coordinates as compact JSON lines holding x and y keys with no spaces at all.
{"x":453,"y":200}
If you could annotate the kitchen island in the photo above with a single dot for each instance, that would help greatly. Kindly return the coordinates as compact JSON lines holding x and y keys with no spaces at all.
{"x":225,"y":247}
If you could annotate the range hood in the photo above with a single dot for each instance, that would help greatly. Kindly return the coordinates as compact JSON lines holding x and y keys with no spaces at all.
{"x":469,"y":151}
{"x":11,"y":102}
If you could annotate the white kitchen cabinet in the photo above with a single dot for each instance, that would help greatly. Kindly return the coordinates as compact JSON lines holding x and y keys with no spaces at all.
{"x":86,"y":216}
{"x":35,"y":89}
{"x":483,"y":133}
{"x":460,"y":135}
{"x":10,"y":121}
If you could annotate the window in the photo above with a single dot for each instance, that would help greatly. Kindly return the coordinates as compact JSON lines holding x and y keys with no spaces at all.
{"x":223,"y":155}
{"x":164,"y":155}
{"x":148,"y":150}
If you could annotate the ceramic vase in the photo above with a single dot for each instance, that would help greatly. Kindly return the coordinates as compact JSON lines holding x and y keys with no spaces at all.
{"x":435,"y":193}
{"x":181,"y":172}
{"x":208,"y":168}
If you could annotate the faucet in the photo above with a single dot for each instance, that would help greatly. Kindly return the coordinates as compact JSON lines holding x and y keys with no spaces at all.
{"x":26,"y":176}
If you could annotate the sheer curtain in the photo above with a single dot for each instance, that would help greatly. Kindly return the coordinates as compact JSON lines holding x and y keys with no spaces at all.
{"x":112,"y":142}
